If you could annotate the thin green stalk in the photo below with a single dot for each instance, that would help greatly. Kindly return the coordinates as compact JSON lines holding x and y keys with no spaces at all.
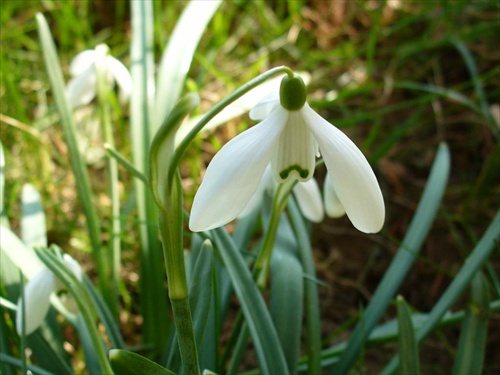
{"x":114,"y":255}
{"x":262,"y":264}
{"x":183,"y":145}
{"x":84,"y":302}
{"x":170,"y":224}
{"x":77,"y":164}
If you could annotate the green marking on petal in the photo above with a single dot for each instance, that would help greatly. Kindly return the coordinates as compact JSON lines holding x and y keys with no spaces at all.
{"x":303,"y":173}
{"x":292,"y":93}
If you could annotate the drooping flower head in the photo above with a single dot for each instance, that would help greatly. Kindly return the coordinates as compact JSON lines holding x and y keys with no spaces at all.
{"x":82,"y":87}
{"x":289,"y":138}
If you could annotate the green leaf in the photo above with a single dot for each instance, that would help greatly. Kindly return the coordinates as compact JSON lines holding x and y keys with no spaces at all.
{"x":463,"y":278}
{"x":313,"y":316}
{"x":176,"y":59}
{"x":126,"y":362}
{"x":154,"y":307}
{"x":472,"y":344}
{"x":33,"y":229}
{"x":265,"y":338}
{"x":200,"y":300}
{"x":408,"y":348}
{"x":406,"y":255}
{"x":287,"y":296}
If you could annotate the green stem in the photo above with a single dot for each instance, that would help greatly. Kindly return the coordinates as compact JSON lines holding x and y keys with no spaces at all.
{"x":114,"y":256}
{"x":170,"y":225}
{"x":181,"y":148}
{"x":261,"y":267}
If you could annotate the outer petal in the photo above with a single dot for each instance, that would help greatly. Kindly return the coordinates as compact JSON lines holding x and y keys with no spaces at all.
{"x":333,"y":206}
{"x":352,"y":177}
{"x":256,"y":200}
{"x":264,"y":107}
{"x":36,"y":301}
{"x":122,"y":77}
{"x":234,"y":174}
{"x":82,"y":89}
{"x":82,"y":61}
{"x":309,"y":200}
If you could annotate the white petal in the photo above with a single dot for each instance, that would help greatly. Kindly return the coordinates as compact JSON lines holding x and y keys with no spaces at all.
{"x":36,"y":301}
{"x":234,"y":174}
{"x":295,"y":155}
{"x":352,"y":177}
{"x":82,"y":61}
{"x":82,"y":89}
{"x":122,"y":77}
{"x":264,"y":107}
{"x":309,"y":200}
{"x":333,"y":206}
{"x":256,"y":200}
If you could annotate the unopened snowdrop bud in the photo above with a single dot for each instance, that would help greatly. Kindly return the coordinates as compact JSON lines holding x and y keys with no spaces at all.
{"x":37,"y":294}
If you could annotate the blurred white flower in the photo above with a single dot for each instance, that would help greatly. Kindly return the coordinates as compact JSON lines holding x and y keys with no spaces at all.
{"x":82,"y":87}
{"x":289,"y":137}
{"x":37,"y":293}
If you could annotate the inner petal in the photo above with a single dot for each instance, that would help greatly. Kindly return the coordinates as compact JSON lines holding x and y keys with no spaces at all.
{"x":295,"y":154}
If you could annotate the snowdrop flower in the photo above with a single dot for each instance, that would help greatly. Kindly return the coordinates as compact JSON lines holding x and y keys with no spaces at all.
{"x":307,"y":194}
{"x":82,"y":87}
{"x":289,"y":137}
{"x":37,"y":293}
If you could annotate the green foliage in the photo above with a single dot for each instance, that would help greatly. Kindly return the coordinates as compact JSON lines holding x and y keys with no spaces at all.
{"x":405,"y":80}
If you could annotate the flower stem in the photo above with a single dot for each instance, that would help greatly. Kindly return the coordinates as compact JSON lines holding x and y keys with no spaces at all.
{"x":261,"y":267}
{"x":113,"y":259}
{"x":170,"y":225}
{"x":181,"y":148}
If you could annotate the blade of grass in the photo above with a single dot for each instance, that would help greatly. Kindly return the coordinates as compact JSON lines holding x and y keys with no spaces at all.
{"x":154,"y":306}
{"x":313,"y":316}
{"x":176,"y":59}
{"x":471,"y":265}
{"x":287,"y":302}
{"x":266,"y":342}
{"x":408,"y":347}
{"x":472,"y":344}
{"x":415,"y":236}
{"x":77,"y":164}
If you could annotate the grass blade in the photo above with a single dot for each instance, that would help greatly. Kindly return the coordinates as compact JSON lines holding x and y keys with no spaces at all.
{"x":415,"y":236}
{"x":313,"y":317}
{"x":287,"y":301}
{"x":408,"y":347}
{"x":266,"y":342}
{"x":472,"y":344}
{"x":153,"y":295}
{"x":463,"y":278}
{"x":77,"y":164}
{"x":176,"y":59}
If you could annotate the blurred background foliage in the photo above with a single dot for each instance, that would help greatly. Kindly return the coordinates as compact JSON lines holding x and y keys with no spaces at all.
{"x":398,"y":76}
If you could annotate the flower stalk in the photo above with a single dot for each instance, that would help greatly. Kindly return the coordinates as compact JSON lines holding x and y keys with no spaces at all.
{"x":114,"y":249}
